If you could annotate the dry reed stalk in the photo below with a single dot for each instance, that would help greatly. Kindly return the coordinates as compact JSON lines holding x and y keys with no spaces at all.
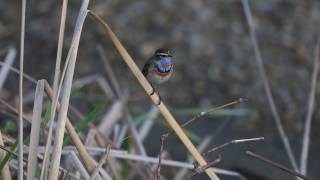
{"x":114,"y":114}
{"x":148,"y":122}
{"x":266,"y":85}
{"x":84,"y":155}
{"x":20,"y":124}
{"x":8,"y":61}
{"x":35,"y":130}
{"x":119,"y":95}
{"x":155,"y":97}
{"x":44,"y":169}
{"x":120,"y":154}
{"x":79,"y":165}
{"x":79,"y":83}
{"x":310,"y":111}
{"x":62,"y":115}
{"x":5,"y":173}
{"x":90,"y":141}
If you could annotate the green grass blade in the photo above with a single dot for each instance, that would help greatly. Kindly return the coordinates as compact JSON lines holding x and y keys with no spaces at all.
{"x":84,"y":123}
{"x":8,"y":156}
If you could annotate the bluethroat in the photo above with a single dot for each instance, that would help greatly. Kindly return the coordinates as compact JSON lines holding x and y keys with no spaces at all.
{"x":158,"y":69}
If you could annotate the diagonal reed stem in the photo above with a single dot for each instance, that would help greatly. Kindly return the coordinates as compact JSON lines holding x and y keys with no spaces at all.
{"x":155,"y":97}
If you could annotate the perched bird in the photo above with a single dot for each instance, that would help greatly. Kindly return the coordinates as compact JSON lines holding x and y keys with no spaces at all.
{"x":158,"y":69}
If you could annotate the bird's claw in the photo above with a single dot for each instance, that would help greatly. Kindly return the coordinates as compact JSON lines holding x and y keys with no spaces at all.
{"x":159,"y":102}
{"x":153,"y":92}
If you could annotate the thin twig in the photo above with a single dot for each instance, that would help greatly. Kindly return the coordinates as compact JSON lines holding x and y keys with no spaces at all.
{"x":199,"y":170}
{"x":15,"y":70}
{"x":252,"y":154}
{"x":162,"y":139}
{"x":20,"y":132}
{"x":311,"y":106}
{"x":103,"y":159}
{"x":204,"y":113}
{"x":164,"y":136}
{"x":266,"y":85}
{"x":14,"y":110}
{"x":232,"y":142}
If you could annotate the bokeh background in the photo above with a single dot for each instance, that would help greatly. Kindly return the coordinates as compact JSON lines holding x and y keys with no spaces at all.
{"x":214,"y":64}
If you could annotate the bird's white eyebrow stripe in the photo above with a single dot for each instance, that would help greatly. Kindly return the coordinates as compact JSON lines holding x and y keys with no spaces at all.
{"x":162,"y":54}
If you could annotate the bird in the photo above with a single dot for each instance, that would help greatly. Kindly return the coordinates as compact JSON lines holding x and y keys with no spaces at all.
{"x":159,"y":68}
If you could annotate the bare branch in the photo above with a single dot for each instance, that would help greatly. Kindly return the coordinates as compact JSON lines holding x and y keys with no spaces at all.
{"x":311,"y":106}
{"x":204,"y":113}
{"x":232,"y":142}
{"x":254,"y":155}
{"x":266,"y":85}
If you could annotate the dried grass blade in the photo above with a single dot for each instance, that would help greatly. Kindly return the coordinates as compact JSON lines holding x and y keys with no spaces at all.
{"x":35,"y":130}
{"x":61,"y":122}
{"x":114,"y":113}
{"x":79,"y":165}
{"x":44,"y":169}
{"x":148,"y":123}
{"x":84,"y":155}
{"x":8,"y":61}
{"x":114,"y":83}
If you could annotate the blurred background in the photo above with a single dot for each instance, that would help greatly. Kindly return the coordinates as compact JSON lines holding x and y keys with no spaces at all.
{"x":214,"y":64}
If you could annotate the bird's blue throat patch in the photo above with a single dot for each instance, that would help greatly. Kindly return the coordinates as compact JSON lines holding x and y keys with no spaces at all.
{"x":164,"y":64}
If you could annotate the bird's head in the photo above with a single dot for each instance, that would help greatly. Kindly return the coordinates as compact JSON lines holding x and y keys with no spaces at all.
{"x":163,"y":52}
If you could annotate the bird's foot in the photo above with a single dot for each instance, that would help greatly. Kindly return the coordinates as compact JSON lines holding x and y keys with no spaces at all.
{"x":153,"y":92}
{"x":159,"y":102}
